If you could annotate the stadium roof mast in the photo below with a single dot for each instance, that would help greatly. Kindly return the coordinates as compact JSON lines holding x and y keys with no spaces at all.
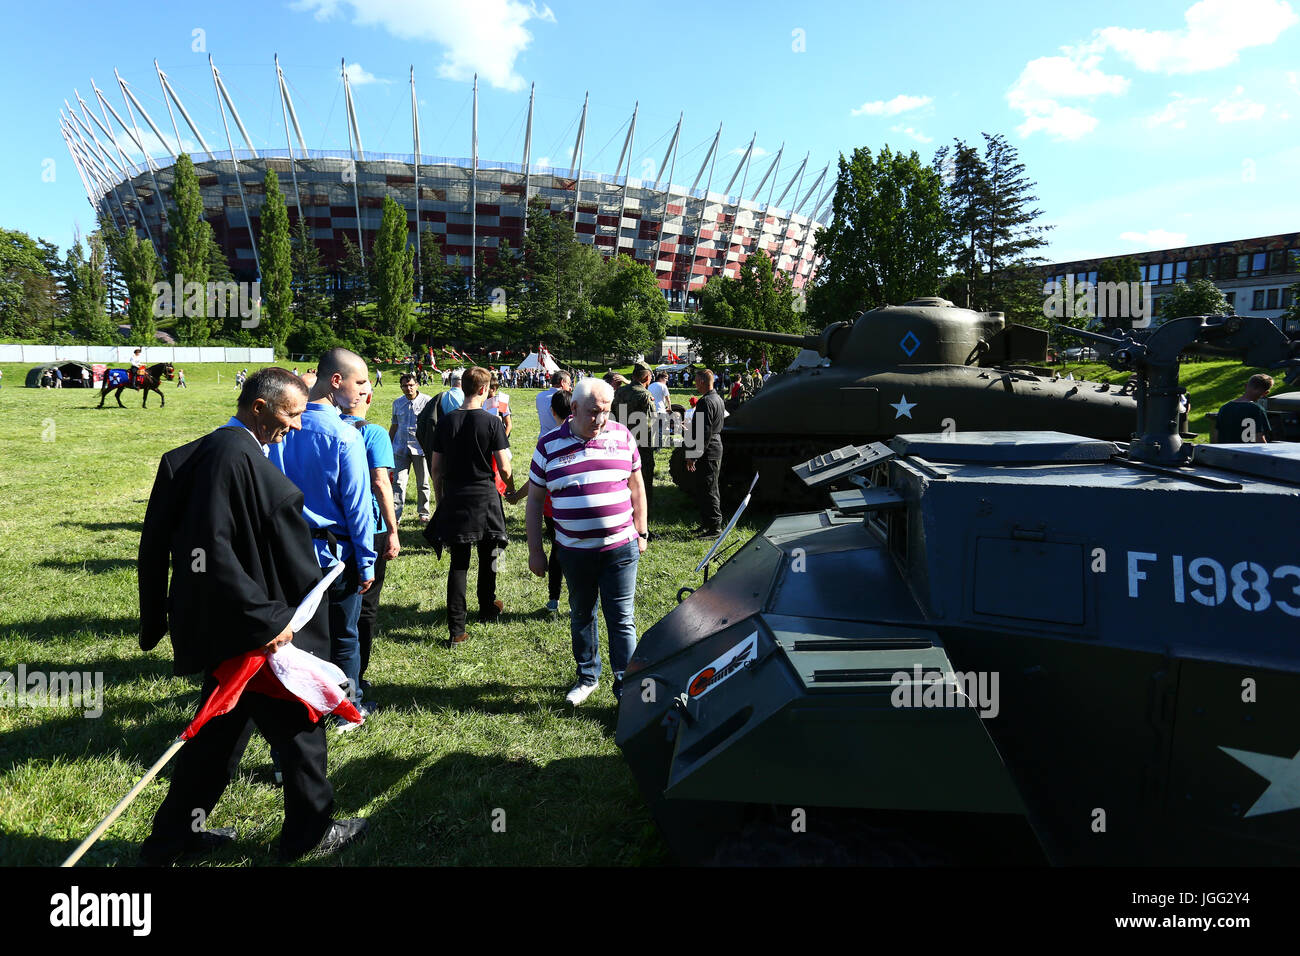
{"x":735,"y":210}
{"x":284,"y":118}
{"x":149,"y":164}
{"x":234,"y":162}
{"x":171,"y":93}
{"x":528,"y":158}
{"x":166,"y":102}
{"x":789,"y":219}
{"x":130,"y":180}
{"x":762,"y":222}
{"x":94,"y":189}
{"x":622,"y":202}
{"x":415,"y":140}
{"x":358,"y":152}
{"x":109,"y":178}
{"x":76,"y":161}
{"x":473,"y":198}
{"x":671,"y":151}
{"x":807,"y":229}
{"x":577,"y":158}
{"x":709,"y":160}
{"x":93,"y":164}
{"x":159,"y":199}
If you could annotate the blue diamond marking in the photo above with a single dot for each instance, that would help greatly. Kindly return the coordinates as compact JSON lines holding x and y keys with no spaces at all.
{"x":910,"y":344}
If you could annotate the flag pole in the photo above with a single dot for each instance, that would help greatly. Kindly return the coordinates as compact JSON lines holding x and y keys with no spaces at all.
{"x":122,"y":804}
{"x":301,"y":616}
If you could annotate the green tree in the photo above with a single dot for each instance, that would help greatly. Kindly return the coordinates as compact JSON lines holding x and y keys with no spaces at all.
{"x":28,"y":294}
{"x":394,"y":271}
{"x":1010,"y":236}
{"x":504,"y":280}
{"x":88,"y":293}
{"x":191,"y":249}
{"x":758,"y":299}
{"x":965,"y":196}
{"x":309,"y":303}
{"x":352,"y":289}
{"x":140,"y":271}
{"x":439,"y":283}
{"x":885,"y":243}
{"x":632,"y":290}
{"x":1198,"y":297}
{"x":544,"y":239}
{"x":276,"y":252}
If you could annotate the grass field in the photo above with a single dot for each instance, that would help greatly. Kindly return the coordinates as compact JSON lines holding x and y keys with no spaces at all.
{"x":462,"y":734}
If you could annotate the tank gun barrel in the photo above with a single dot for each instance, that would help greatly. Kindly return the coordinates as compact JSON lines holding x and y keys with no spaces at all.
{"x":756,"y":335}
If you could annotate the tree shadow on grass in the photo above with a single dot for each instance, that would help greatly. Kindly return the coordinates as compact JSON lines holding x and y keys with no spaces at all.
{"x":89,"y":565}
{"x":56,"y":626}
{"x":102,"y":525}
{"x":474,"y":810}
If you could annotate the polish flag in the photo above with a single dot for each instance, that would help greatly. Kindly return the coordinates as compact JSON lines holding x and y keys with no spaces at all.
{"x":289,"y":674}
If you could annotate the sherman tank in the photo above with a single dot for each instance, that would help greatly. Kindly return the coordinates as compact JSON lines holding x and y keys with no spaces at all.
{"x":1032,"y":647}
{"x":922,"y":366}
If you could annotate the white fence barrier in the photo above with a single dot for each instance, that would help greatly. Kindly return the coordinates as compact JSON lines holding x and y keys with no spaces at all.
{"x":121,"y":354}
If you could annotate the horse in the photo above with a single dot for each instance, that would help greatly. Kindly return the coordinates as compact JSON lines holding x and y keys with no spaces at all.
{"x":147,"y":379}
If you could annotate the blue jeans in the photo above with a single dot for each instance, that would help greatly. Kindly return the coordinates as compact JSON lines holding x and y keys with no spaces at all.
{"x":345,"y":637}
{"x":609,"y":576}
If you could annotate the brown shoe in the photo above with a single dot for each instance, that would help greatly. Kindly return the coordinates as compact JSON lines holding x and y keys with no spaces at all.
{"x":494,"y":612}
{"x":457,"y":639}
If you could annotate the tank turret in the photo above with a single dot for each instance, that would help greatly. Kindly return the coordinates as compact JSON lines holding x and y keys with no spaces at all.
{"x":924,"y":365}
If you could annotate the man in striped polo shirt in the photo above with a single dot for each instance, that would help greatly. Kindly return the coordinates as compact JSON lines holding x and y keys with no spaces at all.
{"x":592,"y":469}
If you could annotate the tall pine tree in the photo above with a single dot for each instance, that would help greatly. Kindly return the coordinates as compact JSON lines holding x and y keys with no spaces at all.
{"x":276,"y":253}
{"x":394,"y":271}
{"x":191,"y":249}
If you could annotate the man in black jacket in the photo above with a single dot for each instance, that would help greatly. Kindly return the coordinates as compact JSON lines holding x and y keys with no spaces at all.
{"x":704,"y":452}
{"x":241,"y":555}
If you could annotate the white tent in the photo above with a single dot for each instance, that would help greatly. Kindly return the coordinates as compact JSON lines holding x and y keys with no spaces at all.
{"x":545,"y":362}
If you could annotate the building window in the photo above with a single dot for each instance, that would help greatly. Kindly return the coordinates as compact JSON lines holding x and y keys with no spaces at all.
{"x":1092,"y":277}
{"x":1180,"y":271}
{"x":1231,"y":299}
{"x":1272,"y":299}
{"x":1288,"y":296}
{"x":1166,"y":273}
{"x":1293,"y":260}
{"x":1227,"y":268}
{"x":1257,"y":301}
{"x":1259,"y":263}
{"x":1277,"y":262}
{"x":1196,"y":269}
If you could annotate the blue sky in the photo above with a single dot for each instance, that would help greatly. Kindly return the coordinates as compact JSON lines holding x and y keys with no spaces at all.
{"x":1144,"y":125}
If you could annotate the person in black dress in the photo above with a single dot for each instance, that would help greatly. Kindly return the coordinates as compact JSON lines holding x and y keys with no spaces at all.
{"x":466,"y":443}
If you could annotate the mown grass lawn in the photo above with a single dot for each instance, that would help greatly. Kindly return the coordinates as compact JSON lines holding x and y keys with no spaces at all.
{"x":461,"y":734}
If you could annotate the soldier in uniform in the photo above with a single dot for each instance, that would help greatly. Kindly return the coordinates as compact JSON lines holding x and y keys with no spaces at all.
{"x":634,"y":408}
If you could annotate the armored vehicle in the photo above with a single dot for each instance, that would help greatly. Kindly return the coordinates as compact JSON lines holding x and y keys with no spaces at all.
{"x":1040,"y":645}
{"x":922,"y":366}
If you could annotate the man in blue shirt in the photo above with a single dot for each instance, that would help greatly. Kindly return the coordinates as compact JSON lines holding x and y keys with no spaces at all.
{"x":379,"y":459}
{"x":326,"y":459}
{"x":453,"y":398}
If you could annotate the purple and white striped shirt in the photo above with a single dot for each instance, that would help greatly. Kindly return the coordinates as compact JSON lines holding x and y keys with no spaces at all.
{"x":590,"y":500}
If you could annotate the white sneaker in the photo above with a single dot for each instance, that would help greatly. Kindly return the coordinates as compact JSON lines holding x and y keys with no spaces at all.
{"x":552,"y":606}
{"x":579,"y":692}
{"x":343,"y":726}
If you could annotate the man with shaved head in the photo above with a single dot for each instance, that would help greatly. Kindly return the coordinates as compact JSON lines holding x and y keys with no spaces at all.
{"x":326,"y":459}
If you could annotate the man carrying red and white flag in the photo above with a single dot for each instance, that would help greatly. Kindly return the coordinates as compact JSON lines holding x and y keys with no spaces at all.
{"x":228,"y":527}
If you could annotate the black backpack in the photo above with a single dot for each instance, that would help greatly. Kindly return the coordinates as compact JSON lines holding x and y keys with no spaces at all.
{"x":427,"y":422}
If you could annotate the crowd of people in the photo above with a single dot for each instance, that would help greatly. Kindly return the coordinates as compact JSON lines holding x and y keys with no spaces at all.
{"x":298,"y":482}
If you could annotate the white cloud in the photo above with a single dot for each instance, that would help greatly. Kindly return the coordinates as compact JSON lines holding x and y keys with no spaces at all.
{"x":901,"y":103}
{"x":1174,"y":115}
{"x":758,"y":151}
{"x":908,"y":131}
{"x":1156,"y":238}
{"x":358,"y":75}
{"x":1044,"y":82}
{"x":543,"y":161}
{"x":1237,"y":108}
{"x":486,"y":37}
{"x":1216,"y":31}
{"x":1293,"y":78}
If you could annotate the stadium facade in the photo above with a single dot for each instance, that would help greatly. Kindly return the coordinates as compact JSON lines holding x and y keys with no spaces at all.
{"x":686,"y":234}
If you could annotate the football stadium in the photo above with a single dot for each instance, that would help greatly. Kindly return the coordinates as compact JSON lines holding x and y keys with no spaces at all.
{"x":686,"y":233}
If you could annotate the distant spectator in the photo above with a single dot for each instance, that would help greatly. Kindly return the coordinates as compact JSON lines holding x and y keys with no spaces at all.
{"x":560,"y":381}
{"x":454,"y":397}
{"x":180,"y":379}
{"x":407,"y":452}
{"x":498,"y":402}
